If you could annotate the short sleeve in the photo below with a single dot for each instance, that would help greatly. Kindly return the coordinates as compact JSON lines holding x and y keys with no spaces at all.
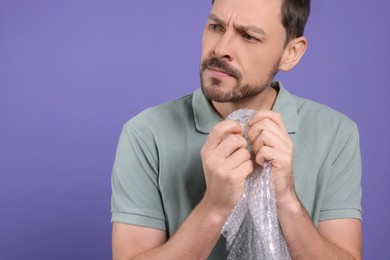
{"x":136,"y":197}
{"x":343,"y":192}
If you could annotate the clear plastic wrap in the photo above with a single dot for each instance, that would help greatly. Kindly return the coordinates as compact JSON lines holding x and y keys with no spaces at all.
{"x":252,"y":230}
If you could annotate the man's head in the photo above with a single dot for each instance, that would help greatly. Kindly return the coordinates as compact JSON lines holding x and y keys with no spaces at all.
{"x":246,"y":42}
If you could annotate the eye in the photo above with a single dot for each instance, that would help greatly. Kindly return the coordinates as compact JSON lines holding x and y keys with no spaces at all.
{"x":215,"y":27}
{"x":249,"y":37}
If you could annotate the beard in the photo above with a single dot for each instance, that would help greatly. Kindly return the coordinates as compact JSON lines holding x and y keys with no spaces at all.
{"x":214,"y":91}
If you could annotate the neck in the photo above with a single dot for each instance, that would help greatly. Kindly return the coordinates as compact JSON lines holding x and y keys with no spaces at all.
{"x":263,"y":101}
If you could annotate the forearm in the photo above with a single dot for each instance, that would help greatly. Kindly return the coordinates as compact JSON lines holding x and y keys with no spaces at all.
{"x":195,"y":239}
{"x":303,"y":239}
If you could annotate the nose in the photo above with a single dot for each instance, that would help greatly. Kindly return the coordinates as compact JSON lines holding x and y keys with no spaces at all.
{"x":223,"y":47}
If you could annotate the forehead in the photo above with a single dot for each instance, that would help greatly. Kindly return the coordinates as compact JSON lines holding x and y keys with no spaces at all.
{"x":253,"y":12}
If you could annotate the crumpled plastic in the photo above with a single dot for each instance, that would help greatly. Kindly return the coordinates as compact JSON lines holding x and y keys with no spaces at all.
{"x":252,"y":230}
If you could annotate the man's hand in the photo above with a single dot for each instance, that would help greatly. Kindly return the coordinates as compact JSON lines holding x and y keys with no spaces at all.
{"x":334,"y":239}
{"x":226,"y":164}
{"x":271,"y":142}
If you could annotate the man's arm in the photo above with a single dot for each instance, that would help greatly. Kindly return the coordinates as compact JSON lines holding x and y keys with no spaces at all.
{"x":194,"y":240}
{"x":226,"y":164}
{"x":334,"y":239}
{"x":342,"y":235}
{"x":130,"y":240}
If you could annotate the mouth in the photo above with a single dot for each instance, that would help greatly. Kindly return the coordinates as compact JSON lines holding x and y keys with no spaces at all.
{"x":218,"y":72}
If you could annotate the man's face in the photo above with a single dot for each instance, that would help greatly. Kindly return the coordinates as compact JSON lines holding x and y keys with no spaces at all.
{"x":242,"y":46}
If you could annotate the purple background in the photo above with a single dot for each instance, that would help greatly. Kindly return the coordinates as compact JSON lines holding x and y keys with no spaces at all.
{"x":72,"y":72}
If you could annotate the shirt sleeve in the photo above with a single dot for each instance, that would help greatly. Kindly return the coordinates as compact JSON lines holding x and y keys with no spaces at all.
{"x":343,"y":192}
{"x":136,"y":197}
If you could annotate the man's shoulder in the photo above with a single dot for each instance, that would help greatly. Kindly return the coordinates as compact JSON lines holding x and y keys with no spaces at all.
{"x":165,"y":114}
{"x":315,"y":114}
{"x":309,"y":108}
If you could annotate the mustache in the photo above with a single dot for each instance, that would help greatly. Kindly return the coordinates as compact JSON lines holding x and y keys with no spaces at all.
{"x":222,"y":66}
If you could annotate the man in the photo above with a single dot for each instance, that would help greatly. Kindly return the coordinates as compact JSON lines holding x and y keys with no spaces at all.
{"x":180,"y":168}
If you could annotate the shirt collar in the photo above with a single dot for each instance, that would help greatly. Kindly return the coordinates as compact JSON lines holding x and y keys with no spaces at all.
{"x":206,"y":117}
{"x":285,"y":104}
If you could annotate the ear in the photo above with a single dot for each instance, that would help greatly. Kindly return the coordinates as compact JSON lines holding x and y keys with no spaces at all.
{"x":293,"y":53}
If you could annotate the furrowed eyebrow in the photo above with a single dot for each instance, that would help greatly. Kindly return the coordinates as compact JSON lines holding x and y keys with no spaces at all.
{"x":244,"y":28}
{"x":216,"y":19}
{"x":251,"y":28}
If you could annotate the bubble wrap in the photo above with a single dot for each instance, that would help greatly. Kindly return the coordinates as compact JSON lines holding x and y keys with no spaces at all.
{"x":252,"y":230}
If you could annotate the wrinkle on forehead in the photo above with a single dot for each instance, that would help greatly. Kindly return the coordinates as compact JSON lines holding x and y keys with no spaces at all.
{"x":239,"y":26}
{"x":248,"y":12}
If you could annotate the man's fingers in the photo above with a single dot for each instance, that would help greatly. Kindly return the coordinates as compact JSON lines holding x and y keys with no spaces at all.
{"x":271,"y":139}
{"x":219,"y":133}
{"x":239,"y":157}
{"x":267,"y":114}
{"x":276,"y":157}
{"x":245,"y":169}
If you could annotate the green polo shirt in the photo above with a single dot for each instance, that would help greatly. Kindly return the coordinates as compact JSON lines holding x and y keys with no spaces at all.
{"x":158,"y":177}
